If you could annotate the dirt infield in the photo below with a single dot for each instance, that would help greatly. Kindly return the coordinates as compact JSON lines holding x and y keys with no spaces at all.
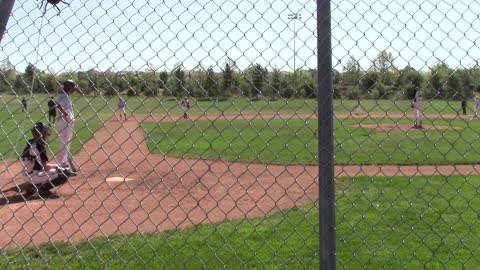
{"x":163,"y":192}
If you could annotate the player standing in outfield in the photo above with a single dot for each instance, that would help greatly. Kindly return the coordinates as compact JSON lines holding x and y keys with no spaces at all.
{"x":476,"y":105}
{"x":24,"y":104}
{"x":185,"y":106}
{"x":418,"y":108}
{"x":65,"y":124}
{"x":39,"y":176}
{"x":121,"y":107}
{"x":358,"y":109}
{"x":52,"y":110}
{"x":464,"y":106}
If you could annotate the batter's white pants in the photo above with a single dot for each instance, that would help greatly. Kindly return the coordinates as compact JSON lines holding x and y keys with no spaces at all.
{"x":418,"y":113}
{"x":65,"y":134}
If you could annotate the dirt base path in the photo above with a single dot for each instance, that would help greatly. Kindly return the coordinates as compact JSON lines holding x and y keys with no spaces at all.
{"x":153,"y":193}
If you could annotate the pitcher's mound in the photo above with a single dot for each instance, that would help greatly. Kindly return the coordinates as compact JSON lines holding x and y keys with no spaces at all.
{"x":392,"y":127}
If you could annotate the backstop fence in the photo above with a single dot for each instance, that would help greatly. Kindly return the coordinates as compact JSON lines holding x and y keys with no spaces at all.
{"x":239,"y":134}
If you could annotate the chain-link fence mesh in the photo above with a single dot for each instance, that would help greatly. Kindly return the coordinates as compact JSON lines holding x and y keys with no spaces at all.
{"x":406,"y":134}
{"x":194,"y":134}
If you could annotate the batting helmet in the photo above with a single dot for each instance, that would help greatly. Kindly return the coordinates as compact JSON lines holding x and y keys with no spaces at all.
{"x":69,"y":85}
{"x":41,"y":130}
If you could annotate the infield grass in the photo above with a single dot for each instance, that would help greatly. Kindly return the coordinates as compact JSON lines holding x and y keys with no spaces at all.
{"x":294,"y":141}
{"x":394,"y":223}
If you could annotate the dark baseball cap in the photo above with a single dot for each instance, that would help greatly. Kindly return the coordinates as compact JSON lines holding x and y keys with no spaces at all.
{"x":41,"y":129}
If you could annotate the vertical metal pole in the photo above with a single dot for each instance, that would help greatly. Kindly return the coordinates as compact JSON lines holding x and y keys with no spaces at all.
{"x":6,"y":7}
{"x":325,"y":137}
{"x":294,"y":17}
{"x":295,"y":58}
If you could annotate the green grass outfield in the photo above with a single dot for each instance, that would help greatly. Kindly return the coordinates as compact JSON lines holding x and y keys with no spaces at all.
{"x":394,"y":223}
{"x":294,"y":141}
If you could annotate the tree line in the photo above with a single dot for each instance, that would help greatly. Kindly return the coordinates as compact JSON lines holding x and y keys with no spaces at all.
{"x":201,"y":82}
{"x":382,"y":80}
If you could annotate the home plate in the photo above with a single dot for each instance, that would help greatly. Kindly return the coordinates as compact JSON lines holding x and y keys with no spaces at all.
{"x":118,"y":179}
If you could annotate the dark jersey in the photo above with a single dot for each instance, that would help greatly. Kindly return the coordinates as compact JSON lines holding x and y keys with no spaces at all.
{"x":52,"y":104}
{"x":34,"y":155}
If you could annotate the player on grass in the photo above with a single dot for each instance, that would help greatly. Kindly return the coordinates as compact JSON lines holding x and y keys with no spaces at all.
{"x":464,"y":106}
{"x":185,"y":104}
{"x":358,"y":109}
{"x":121,"y":107}
{"x":418,"y":108}
{"x":476,"y":105}
{"x":52,"y":110}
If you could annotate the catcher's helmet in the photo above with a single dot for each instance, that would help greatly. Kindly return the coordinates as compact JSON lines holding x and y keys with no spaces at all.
{"x":41,"y":130}
{"x":69,"y":85}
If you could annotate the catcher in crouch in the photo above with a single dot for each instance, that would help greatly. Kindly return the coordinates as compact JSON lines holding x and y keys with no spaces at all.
{"x":39,"y":176}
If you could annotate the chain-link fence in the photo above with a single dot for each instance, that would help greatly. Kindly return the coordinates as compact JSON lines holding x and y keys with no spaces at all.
{"x":190,"y":134}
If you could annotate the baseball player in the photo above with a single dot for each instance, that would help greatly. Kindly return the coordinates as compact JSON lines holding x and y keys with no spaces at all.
{"x":65,"y":125}
{"x":464,"y":106}
{"x":185,"y":106}
{"x":418,"y":108}
{"x":476,"y":105}
{"x":39,"y":176}
{"x":121,"y":107}
{"x":358,"y":109}
{"x":52,"y":110}
{"x":24,"y":104}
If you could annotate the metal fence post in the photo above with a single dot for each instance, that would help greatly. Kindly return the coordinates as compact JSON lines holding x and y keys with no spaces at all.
{"x":325,"y":131}
{"x":5,"y":10}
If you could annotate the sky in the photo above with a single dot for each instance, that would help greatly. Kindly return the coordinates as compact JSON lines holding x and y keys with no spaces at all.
{"x":142,"y":35}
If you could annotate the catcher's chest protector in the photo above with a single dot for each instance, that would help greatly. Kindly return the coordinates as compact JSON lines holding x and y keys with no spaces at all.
{"x":30,"y":158}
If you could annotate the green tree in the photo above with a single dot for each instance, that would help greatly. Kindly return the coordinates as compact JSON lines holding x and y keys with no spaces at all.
{"x":467,"y":84}
{"x":383,"y":65}
{"x":409,"y":79}
{"x":288,"y":89}
{"x":195,"y":81}
{"x":94,"y":82}
{"x":454,"y":88}
{"x":211,"y":83}
{"x":162,"y":79}
{"x":20,"y":86}
{"x":149,"y":82}
{"x":369,"y":81}
{"x":32,"y":72}
{"x":8,"y":75}
{"x":308,"y":84}
{"x":176,"y":83}
{"x":48,"y":83}
{"x":276,"y":85}
{"x":352,"y":72}
{"x":439,"y":74}
{"x":228,"y":80}
{"x":258,"y":77}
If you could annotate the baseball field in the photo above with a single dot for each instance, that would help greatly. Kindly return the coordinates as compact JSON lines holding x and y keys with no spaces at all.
{"x":236,"y":186}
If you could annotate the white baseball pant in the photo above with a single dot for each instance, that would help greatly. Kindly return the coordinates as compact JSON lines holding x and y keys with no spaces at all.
{"x":65,"y":134}
{"x":418,"y":113}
